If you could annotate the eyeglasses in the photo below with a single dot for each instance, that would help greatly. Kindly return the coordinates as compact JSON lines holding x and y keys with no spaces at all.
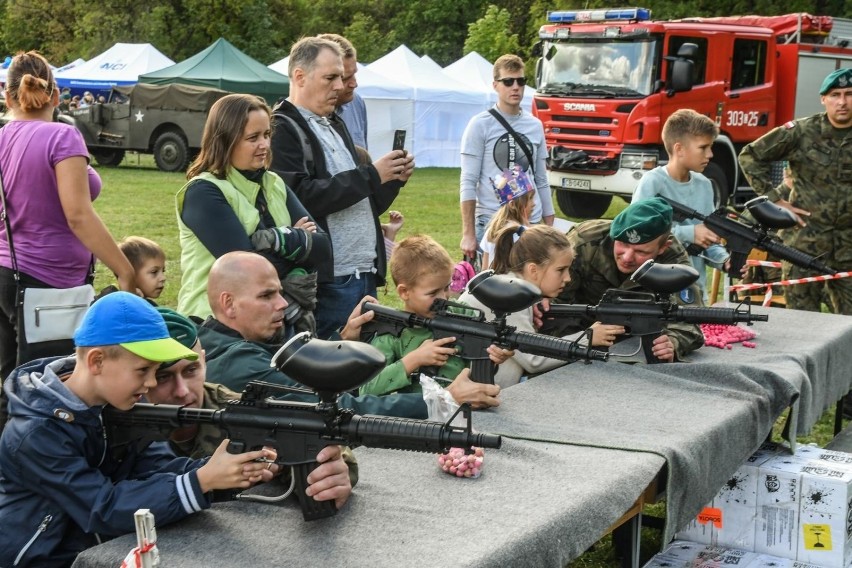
{"x":509,"y":81}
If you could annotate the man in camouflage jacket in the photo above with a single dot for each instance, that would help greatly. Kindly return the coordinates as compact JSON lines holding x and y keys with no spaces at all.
{"x":819,"y":151}
{"x":607,"y":253}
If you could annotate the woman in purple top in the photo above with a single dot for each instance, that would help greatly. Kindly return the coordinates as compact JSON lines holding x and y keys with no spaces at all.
{"x":49,"y":189}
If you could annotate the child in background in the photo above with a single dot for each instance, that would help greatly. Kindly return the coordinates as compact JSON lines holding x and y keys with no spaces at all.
{"x":516,"y":205}
{"x":422,"y":269}
{"x":688,"y":137}
{"x":390,"y":229}
{"x":61,"y":489}
{"x":149,"y":262}
{"x":541,"y":255}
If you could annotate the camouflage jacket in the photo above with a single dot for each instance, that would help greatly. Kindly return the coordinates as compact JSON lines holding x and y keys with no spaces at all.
{"x":820,"y":158}
{"x":209,"y":436}
{"x":594,"y":271}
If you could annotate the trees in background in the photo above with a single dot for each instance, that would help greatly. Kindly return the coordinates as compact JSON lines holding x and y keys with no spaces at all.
{"x":265,"y":29}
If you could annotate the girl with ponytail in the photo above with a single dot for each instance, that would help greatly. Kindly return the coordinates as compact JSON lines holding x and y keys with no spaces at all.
{"x":541,"y":255}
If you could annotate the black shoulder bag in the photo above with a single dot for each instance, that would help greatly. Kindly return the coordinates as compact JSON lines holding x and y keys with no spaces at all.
{"x":517,"y":137}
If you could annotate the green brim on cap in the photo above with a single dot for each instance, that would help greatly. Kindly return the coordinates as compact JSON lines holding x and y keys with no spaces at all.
{"x":160,"y":350}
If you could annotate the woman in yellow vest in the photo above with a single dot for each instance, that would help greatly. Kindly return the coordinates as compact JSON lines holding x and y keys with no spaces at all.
{"x":232,"y":202}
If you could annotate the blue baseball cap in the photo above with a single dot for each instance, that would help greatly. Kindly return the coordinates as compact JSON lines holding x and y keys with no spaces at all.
{"x":125,"y":319}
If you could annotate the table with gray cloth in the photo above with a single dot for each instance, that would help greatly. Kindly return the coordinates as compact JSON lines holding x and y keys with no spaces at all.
{"x":536,"y":504}
{"x":581,"y":443}
{"x":705,"y":416}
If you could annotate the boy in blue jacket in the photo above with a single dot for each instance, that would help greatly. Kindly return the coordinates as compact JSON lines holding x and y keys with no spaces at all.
{"x":61,"y":490}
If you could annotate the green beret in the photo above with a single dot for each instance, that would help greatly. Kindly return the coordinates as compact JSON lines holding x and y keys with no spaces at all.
{"x":839,"y":79}
{"x":180,"y":327}
{"x":642,"y":221}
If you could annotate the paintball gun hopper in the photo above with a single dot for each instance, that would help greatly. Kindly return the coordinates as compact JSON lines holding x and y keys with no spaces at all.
{"x":664,"y":278}
{"x":328,"y":367}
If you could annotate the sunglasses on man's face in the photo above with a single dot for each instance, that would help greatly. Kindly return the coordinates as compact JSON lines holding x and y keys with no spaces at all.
{"x":509,"y":81}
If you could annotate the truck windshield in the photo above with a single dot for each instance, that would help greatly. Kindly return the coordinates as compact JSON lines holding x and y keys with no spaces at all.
{"x":594,"y":67}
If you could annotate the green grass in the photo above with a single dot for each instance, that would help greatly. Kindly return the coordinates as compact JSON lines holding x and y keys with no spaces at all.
{"x":137,"y":199}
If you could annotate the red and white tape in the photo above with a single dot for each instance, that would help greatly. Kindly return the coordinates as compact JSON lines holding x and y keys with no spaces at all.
{"x":768,"y":285}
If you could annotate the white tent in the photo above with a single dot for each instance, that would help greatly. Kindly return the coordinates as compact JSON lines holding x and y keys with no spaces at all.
{"x":119,"y":65}
{"x":475,"y":71}
{"x":441,"y":108}
{"x":282,"y":66}
{"x":390,"y":106}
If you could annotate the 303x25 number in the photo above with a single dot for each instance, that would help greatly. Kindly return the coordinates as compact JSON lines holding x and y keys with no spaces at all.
{"x":742,"y":118}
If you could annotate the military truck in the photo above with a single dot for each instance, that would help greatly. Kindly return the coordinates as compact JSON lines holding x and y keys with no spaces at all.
{"x":164,"y":120}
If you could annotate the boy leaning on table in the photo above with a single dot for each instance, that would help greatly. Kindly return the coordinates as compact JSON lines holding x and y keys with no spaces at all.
{"x":61,"y":490}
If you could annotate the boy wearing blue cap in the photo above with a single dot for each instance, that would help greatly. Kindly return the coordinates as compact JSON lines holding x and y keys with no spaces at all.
{"x":61,"y":491}
{"x":819,"y":151}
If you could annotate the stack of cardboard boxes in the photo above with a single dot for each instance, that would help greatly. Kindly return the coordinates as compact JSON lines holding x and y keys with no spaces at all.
{"x":795,"y":506}
{"x":684,"y":554}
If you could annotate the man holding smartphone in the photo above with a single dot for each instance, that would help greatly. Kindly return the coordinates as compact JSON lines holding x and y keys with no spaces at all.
{"x":313,"y":152}
{"x":497,"y":140}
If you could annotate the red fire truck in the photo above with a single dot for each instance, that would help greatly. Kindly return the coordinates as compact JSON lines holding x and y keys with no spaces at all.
{"x":608,"y":79}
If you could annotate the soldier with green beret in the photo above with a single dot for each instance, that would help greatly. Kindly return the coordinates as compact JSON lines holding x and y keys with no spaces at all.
{"x":819,"y":151}
{"x":185,"y":385}
{"x":607,"y":253}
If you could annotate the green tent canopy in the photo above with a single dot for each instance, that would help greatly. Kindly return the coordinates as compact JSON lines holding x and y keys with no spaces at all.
{"x":223,"y":66}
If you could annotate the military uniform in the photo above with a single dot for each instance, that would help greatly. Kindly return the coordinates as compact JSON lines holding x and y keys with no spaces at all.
{"x":594,"y":271}
{"x":820,"y":158}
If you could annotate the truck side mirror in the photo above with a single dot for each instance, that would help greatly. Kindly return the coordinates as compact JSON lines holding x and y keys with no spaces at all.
{"x":537,"y":72}
{"x":536,"y":49}
{"x":682,"y":70}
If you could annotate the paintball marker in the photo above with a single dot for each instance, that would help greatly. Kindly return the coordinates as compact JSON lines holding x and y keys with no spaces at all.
{"x":503,"y":295}
{"x":741,"y":236}
{"x":299,"y":430}
{"x":646,"y":314}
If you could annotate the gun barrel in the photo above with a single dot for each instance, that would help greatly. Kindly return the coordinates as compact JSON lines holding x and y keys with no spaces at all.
{"x":797,"y":257}
{"x":413,"y":435}
{"x":728,"y":316}
{"x":554,"y":347}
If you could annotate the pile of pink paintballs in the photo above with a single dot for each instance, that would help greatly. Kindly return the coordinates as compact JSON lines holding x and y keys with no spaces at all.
{"x":723,"y":336}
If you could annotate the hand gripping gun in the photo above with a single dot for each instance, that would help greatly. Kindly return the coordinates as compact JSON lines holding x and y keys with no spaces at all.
{"x":646,"y":313}
{"x":502,"y":294}
{"x":299,"y":430}
{"x":741,"y":236}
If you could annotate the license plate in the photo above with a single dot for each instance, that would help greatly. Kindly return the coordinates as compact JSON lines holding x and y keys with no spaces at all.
{"x":573,"y":183}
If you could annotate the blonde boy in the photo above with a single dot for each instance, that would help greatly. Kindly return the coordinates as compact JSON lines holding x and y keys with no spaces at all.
{"x":688,"y":137}
{"x":149,"y":261}
{"x":422,"y":270}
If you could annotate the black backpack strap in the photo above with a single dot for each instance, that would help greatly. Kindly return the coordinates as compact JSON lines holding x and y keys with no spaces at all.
{"x":518,"y":140}
{"x":307,"y":151}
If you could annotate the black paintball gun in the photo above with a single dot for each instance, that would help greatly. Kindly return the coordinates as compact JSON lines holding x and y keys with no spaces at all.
{"x":299,"y":430}
{"x":645,"y":314}
{"x":503,"y":295}
{"x":741,"y":236}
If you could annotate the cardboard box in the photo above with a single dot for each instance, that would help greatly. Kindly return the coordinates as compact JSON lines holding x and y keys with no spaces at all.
{"x":825,"y":516}
{"x":830,"y":458}
{"x":729,"y":519}
{"x":779,"y":489}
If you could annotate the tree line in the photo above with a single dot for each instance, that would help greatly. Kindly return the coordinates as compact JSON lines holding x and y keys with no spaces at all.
{"x":64,"y":30}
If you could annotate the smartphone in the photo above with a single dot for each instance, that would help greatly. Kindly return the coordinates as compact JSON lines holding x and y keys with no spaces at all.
{"x":399,"y":140}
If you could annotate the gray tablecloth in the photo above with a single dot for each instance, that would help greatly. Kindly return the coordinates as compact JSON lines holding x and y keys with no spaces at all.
{"x":554,"y":488}
{"x":535,"y":505}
